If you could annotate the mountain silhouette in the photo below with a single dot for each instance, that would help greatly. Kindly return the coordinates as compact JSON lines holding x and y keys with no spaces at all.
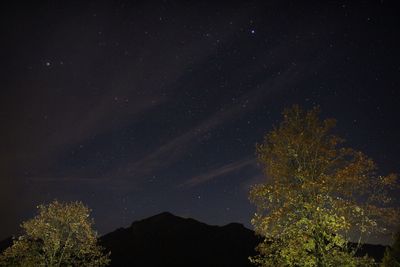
{"x":169,"y":240}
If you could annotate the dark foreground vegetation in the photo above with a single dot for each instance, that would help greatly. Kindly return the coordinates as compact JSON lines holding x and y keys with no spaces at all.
{"x":168,"y":240}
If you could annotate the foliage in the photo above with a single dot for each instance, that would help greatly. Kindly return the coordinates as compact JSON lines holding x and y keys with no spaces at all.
{"x":392,"y":254}
{"x":316,"y":193}
{"x":60,"y":235}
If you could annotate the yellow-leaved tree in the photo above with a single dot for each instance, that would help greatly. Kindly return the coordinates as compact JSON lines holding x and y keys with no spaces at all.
{"x":316,"y":196}
{"x":60,"y":235}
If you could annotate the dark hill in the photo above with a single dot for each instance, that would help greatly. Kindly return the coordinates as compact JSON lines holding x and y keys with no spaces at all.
{"x":168,"y":240}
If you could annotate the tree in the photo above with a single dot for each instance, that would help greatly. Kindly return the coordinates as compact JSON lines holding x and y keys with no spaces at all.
{"x":317,"y":193}
{"x":392,"y":254}
{"x":60,"y":235}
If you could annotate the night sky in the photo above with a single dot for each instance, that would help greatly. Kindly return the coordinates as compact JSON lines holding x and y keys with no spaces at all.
{"x":137,"y":108}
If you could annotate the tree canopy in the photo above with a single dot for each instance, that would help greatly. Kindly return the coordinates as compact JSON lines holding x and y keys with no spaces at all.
{"x":60,"y":235}
{"x":317,"y":194}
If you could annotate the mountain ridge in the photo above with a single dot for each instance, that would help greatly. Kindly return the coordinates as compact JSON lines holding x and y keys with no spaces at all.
{"x":179,"y":241}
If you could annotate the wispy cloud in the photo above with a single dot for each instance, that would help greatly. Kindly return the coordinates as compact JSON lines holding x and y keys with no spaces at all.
{"x":217,"y":172}
{"x":175,"y":148}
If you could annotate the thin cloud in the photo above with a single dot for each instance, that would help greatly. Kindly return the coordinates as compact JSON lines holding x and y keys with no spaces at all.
{"x":174,"y":149}
{"x":218,"y":172}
